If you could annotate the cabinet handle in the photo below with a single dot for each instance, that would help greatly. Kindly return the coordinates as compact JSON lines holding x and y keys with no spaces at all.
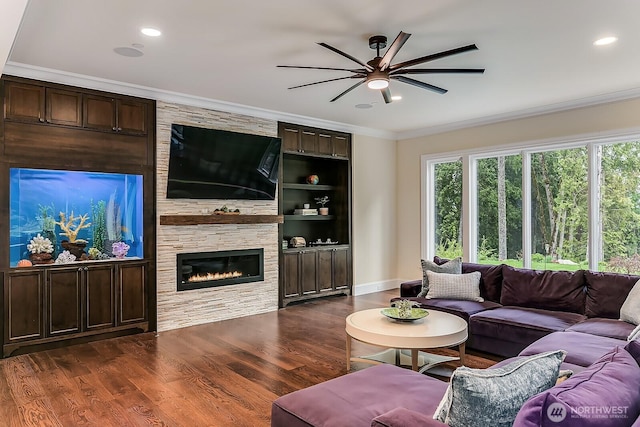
{"x":41,"y":120}
{"x":86,"y":269}
{"x":79,"y":268}
{"x":119,"y":129}
{"x":114,"y":129}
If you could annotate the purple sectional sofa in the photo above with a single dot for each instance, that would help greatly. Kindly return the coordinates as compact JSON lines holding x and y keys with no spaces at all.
{"x":525,"y":312}
{"x":521,"y":306}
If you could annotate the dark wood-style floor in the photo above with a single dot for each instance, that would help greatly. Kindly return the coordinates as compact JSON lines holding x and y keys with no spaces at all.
{"x":219,"y":374}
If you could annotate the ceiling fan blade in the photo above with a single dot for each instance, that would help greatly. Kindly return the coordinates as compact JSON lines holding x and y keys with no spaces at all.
{"x":393,"y":50}
{"x":419,"y":84}
{"x":348,"y":90}
{"x":433,"y":57}
{"x":346,"y":55}
{"x":386,"y":94}
{"x":357,"y":70}
{"x":325,"y":81}
{"x":438,"y":71}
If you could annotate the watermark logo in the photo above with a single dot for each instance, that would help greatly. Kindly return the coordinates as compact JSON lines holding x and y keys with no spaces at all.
{"x":556,"y":412}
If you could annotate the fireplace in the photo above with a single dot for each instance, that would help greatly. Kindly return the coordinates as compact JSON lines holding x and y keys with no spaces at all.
{"x":221,"y":268}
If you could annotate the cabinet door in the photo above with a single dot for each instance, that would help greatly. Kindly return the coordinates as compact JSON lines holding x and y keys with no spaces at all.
{"x":99,"y":113}
{"x":290,"y":139}
{"x":341,"y":268}
{"x":291,"y":272}
{"x":132,"y":295}
{"x":308,"y":142}
{"x":325,"y":270}
{"x":63,"y":300}
{"x":132,"y":117}
{"x":99,"y":297}
{"x":325,"y":144}
{"x":308,"y":272}
{"x":340,"y":146}
{"x":23,"y":102}
{"x":63,"y":107}
{"x":23,"y":295}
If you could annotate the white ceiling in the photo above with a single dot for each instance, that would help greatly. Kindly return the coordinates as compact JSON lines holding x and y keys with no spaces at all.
{"x":538,"y":55}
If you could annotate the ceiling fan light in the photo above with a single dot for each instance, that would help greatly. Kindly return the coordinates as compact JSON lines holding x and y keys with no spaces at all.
{"x":378,"y":83}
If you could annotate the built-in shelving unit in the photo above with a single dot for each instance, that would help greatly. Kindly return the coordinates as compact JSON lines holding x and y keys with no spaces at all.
{"x":311,"y":272}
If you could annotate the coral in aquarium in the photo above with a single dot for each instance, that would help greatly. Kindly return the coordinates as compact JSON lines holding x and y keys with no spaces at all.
{"x":39,"y":245}
{"x":69,"y":227}
{"x":99,"y":225}
{"x":65,"y":257}
{"x":24,"y":263}
{"x":120,"y":249}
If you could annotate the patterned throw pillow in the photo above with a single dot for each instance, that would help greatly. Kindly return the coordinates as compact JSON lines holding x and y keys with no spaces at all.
{"x":493,"y":397}
{"x":454,"y":286}
{"x":453,"y":266}
{"x":630,"y":310}
{"x":635,"y":334}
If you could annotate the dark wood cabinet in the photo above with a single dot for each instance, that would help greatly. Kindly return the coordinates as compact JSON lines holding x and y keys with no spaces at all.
{"x":323,"y":267}
{"x":32,"y":103}
{"x":54,"y":303}
{"x":23,"y":314}
{"x":109,"y":114}
{"x":314,"y":142}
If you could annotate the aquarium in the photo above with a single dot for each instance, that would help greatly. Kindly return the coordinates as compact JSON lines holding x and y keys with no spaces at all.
{"x":70,"y":216}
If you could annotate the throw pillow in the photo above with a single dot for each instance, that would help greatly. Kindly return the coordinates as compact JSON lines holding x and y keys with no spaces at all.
{"x":630,"y":310}
{"x":493,"y":397}
{"x":452,"y":267}
{"x":454,"y":286}
{"x":635,"y":334}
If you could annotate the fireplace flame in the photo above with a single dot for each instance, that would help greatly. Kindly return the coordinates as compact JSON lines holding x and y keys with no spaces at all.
{"x":213,"y":276}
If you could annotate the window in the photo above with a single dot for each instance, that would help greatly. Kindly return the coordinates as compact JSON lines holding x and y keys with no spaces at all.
{"x":562,"y":206}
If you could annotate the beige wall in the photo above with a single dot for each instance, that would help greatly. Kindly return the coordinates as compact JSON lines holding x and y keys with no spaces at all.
{"x":10,"y":18}
{"x":374,"y":213}
{"x":597,"y":120}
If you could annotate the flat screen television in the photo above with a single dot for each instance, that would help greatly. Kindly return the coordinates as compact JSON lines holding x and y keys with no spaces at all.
{"x":218,"y":164}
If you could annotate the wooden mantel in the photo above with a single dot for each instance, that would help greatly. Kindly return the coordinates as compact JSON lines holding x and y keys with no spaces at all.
{"x":220,"y":219}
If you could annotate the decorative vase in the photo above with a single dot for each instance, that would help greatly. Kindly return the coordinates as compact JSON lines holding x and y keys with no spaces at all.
{"x":313,"y":179}
{"x":323,"y":211}
{"x":404,"y":308}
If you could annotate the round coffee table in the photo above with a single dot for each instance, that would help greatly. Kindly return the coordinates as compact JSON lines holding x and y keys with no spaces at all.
{"x":437,"y":330}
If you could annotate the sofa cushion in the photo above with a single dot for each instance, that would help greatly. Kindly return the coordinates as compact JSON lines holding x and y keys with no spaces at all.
{"x":635,"y":334}
{"x":454,"y":286}
{"x":357,"y":398}
{"x":403,"y":417}
{"x":410,"y":288}
{"x":545,"y":289}
{"x":518,"y":325}
{"x":451,"y":267}
{"x":490,"y":277}
{"x":606,"y":293}
{"x":492,"y":397}
{"x":605,"y":394}
{"x":634,"y":350}
{"x":630,"y":310}
{"x":604,"y":327}
{"x":564,"y":366}
{"x":582,"y":349}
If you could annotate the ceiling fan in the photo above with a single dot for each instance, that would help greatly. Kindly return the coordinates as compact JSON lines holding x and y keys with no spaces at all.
{"x":379,"y":71}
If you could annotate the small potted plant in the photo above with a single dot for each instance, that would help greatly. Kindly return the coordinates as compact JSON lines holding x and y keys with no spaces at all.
{"x":322,"y":201}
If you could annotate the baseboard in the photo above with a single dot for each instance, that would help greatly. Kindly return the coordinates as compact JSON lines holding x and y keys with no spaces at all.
{"x":371,"y":287}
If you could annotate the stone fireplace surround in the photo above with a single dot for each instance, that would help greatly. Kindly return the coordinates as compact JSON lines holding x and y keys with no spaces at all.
{"x":183,"y":309}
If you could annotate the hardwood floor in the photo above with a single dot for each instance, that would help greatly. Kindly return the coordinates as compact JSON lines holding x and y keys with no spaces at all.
{"x":219,"y":374}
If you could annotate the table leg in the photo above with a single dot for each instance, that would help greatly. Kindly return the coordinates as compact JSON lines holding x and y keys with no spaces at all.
{"x":348,"y":353}
{"x":414,"y":359}
{"x":461,"y":350}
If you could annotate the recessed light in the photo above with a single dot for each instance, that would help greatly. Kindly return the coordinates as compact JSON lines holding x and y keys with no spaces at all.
{"x":396,"y":98}
{"x":605,"y":41}
{"x":364,"y":106}
{"x":128,"y":51}
{"x":151,"y":32}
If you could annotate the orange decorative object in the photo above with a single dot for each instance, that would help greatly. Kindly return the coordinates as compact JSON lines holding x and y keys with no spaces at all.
{"x":24,"y":263}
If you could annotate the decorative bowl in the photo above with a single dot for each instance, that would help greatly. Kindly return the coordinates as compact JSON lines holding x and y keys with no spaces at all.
{"x":416,"y":313}
{"x":313,"y":179}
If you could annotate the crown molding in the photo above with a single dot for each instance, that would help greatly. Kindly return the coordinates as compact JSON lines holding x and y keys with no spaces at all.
{"x":521,"y":114}
{"x":96,"y":83}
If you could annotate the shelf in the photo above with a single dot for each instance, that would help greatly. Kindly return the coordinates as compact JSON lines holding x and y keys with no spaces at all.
{"x":309,"y":217}
{"x":310,"y":187}
{"x":219,"y":219}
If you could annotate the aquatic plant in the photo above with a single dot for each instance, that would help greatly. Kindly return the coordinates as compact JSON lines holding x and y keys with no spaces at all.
{"x":45,"y":218}
{"x":119,"y":249}
{"x":99,"y":224}
{"x":65,"y":257}
{"x":69,"y":227}
{"x":113,"y":219}
{"x":39,"y":245}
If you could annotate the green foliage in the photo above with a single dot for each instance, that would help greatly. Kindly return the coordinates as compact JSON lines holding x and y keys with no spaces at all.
{"x":449,"y":249}
{"x":98,"y":220}
{"x":485,"y":252}
{"x":537,"y":258}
